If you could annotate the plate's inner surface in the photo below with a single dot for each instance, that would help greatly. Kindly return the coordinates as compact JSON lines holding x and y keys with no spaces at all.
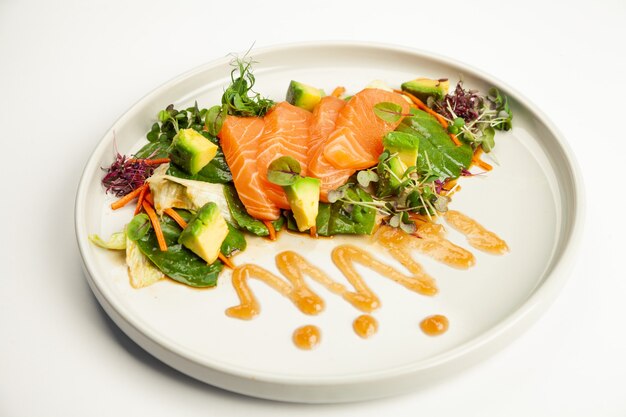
{"x":519,"y":200}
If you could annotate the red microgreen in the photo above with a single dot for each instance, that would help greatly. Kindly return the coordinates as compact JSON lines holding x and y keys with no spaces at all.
{"x":461,"y":103}
{"x":125,"y":175}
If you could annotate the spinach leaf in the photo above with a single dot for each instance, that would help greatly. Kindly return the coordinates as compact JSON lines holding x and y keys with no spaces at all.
{"x":241,"y":216}
{"x":179,"y":263}
{"x":437,"y":153}
{"x":235,"y":241}
{"x":157,"y":149}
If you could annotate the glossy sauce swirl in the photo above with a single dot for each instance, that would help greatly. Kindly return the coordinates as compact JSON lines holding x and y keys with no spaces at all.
{"x":429,"y":239}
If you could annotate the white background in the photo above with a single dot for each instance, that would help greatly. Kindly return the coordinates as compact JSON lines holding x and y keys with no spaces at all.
{"x":68,"y":70}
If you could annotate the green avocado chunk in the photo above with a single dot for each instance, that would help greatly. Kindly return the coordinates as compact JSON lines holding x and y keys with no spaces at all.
{"x":178,"y":262}
{"x":423,"y":88}
{"x":303,"y":96}
{"x":205,"y":233}
{"x":405,"y":146}
{"x":303,"y":196}
{"x":191,"y":151}
{"x":343,"y":218}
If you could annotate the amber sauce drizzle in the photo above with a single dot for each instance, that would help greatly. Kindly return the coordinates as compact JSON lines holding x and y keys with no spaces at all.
{"x":429,"y":240}
{"x":365,"y":326}
{"x":294,"y":267}
{"x":306,"y":337}
{"x":435,"y":325}
{"x":477,"y":235}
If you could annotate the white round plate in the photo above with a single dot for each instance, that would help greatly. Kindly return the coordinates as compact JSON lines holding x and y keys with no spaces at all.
{"x":532,"y":199}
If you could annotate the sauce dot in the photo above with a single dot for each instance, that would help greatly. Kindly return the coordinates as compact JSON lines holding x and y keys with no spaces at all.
{"x":365,"y":326}
{"x":434,"y":325}
{"x":306,"y":337}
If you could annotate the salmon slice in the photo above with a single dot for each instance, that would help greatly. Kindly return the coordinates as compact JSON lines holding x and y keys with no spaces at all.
{"x":357,"y":141}
{"x":239,"y":138}
{"x":323,"y":124}
{"x":286,"y":134}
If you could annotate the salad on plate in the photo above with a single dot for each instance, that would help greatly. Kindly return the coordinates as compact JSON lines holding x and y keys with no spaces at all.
{"x":383,"y":162}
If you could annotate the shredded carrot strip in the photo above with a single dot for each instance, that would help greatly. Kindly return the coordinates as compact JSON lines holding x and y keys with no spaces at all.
{"x":482,"y":164}
{"x":176,"y":217}
{"x":156,"y":225}
{"x":226,"y":261}
{"x":337,"y":92}
{"x":313,"y":231}
{"x":142,"y":194}
{"x":456,"y":140}
{"x":157,"y":161}
{"x":270,"y":228}
{"x":148,"y":197}
{"x":477,"y":161}
{"x":126,"y":199}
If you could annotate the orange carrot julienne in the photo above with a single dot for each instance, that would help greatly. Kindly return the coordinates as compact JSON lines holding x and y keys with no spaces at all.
{"x":313,"y":231}
{"x":482,"y":164}
{"x":270,"y":229}
{"x":148,"y":197}
{"x":156,"y":225}
{"x":477,"y":161}
{"x":226,"y":261}
{"x":176,"y":217}
{"x":456,"y":140}
{"x":157,"y":161}
{"x":142,"y":194}
{"x":338,"y":91}
{"x":126,"y":199}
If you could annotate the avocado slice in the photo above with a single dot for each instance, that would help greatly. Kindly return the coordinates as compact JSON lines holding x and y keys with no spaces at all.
{"x":422,"y":88}
{"x":205,"y":232}
{"x":303,"y":196}
{"x":191,"y":151}
{"x":405,"y":145}
{"x":303,"y":95}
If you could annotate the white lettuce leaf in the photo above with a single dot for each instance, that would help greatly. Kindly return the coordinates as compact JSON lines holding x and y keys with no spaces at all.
{"x":173,"y":192}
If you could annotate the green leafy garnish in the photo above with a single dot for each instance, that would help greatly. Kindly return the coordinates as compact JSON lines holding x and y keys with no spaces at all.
{"x":387,"y":111}
{"x":503,"y":119}
{"x":117,"y":241}
{"x":283,"y":171}
{"x":214,"y":119}
{"x":178,"y":262}
{"x":170,"y":122}
{"x":241,"y":216}
{"x":436,"y":151}
{"x":364,"y":178}
{"x":352,"y":214}
{"x":239,"y":99}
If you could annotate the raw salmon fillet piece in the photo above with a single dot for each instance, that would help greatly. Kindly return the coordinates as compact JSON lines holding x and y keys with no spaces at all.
{"x":357,"y":140}
{"x":286,"y":134}
{"x":323,"y":124}
{"x":239,"y":138}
